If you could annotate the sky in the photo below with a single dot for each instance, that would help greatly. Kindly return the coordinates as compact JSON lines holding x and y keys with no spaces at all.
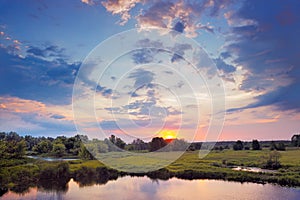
{"x":199,"y":70}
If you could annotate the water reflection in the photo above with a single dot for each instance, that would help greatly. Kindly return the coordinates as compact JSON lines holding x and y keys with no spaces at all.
{"x":144,"y":188}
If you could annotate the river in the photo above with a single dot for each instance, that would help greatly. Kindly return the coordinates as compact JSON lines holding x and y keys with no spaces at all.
{"x":144,"y":188}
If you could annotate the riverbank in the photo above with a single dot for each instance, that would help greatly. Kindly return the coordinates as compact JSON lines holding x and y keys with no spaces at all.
{"x":19,"y":175}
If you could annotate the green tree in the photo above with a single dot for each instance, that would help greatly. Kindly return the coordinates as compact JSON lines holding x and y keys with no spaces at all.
{"x":255,"y":145}
{"x":114,"y":143}
{"x":20,"y":149}
{"x":12,"y":149}
{"x":85,"y":154}
{"x":45,"y":146}
{"x":59,"y":149}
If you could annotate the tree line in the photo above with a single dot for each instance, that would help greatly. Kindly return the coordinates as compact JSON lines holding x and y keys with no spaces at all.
{"x":13,"y":145}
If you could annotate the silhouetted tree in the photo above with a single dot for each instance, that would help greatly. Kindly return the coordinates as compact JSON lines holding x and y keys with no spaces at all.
{"x":296,"y":140}
{"x":273,"y":146}
{"x":157,"y":143}
{"x":238,"y":145}
{"x":139,"y":144}
{"x":114,"y":143}
{"x":281,"y":146}
{"x":255,"y":145}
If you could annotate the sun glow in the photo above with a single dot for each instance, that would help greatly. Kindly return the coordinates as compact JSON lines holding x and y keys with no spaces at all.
{"x":168,"y":134}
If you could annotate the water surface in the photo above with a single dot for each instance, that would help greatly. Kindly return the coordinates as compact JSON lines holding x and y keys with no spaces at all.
{"x":147,"y":189}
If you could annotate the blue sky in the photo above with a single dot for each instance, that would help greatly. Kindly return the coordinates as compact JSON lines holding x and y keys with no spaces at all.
{"x":44,"y":45}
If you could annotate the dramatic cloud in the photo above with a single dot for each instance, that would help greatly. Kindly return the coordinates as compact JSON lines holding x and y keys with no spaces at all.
{"x":34,"y":78}
{"x":120,"y":7}
{"x":264,"y":45}
{"x":182,"y":16}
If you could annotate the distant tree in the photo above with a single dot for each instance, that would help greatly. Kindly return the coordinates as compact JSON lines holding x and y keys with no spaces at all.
{"x":120,"y":143}
{"x":2,"y":149}
{"x":139,"y":144}
{"x":2,"y":135}
{"x":157,"y":143}
{"x":12,"y":149}
{"x":20,"y":148}
{"x":281,"y":146}
{"x":255,"y":145}
{"x":114,"y":143}
{"x":30,"y":142}
{"x":247,"y":148}
{"x":82,"y":138}
{"x":196,"y":145}
{"x":59,"y":149}
{"x":13,"y":136}
{"x":112,"y":139}
{"x":273,"y":146}
{"x":85,"y":154}
{"x":296,"y":140}
{"x":191,"y":147}
{"x":45,"y":146}
{"x":97,"y":146}
{"x":177,"y":145}
{"x":238,"y":145}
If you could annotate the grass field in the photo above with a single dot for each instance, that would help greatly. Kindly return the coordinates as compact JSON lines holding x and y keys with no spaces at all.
{"x":216,"y":165}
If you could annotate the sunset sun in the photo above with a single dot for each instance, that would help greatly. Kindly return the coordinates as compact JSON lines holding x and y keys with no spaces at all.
{"x":168,"y":134}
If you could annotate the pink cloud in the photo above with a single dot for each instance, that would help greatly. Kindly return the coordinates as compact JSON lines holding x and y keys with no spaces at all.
{"x":120,"y":7}
{"x":166,"y":14}
{"x":89,"y":2}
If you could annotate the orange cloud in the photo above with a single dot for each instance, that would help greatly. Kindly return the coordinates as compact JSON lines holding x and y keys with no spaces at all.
{"x":18,"y":105}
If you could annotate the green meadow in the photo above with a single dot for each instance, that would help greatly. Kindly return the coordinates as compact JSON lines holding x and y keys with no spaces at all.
{"x":20,"y":174}
{"x":216,"y":165}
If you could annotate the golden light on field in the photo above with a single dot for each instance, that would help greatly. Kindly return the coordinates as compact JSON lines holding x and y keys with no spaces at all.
{"x":168,"y":134}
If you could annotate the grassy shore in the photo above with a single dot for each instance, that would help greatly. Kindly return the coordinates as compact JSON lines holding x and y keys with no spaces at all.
{"x":22,"y":173}
{"x":218,"y":165}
